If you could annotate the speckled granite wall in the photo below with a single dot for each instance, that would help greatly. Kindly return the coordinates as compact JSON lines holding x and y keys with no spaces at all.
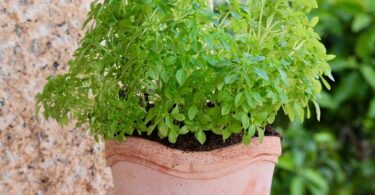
{"x":37,"y":37}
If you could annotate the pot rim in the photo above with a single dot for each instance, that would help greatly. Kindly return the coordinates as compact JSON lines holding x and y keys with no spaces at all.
{"x":193,"y":165}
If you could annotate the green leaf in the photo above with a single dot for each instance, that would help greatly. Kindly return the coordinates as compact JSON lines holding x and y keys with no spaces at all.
{"x":112,"y":131}
{"x":317,"y":108}
{"x":317,"y":179}
{"x":245,"y":121}
{"x":371,"y":110}
{"x":170,"y":60}
{"x":181,"y":76}
{"x":331,"y":57}
{"x":314,"y":21}
{"x":192,"y":112}
{"x":261,"y":73}
{"x":299,"y":111}
{"x":226,"y":134}
{"x":237,"y":99}
{"x":261,"y":134}
{"x":369,"y":74}
{"x":200,"y":136}
{"x":184,"y":130}
{"x":326,"y":84}
{"x":225,"y":109}
{"x":284,"y":78}
{"x":361,"y":21}
{"x":289,"y":111}
{"x":251,"y":131}
{"x":259,"y":58}
{"x":297,"y":186}
{"x":246,"y":139}
{"x":230,"y":79}
{"x":175,"y":110}
{"x":172,"y":136}
{"x":177,"y":115}
{"x":262,"y":116}
{"x":235,"y":127}
{"x":169,"y":121}
{"x":286,"y":162}
{"x":163,"y":130}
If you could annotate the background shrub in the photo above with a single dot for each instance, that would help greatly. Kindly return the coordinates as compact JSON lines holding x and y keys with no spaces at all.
{"x":337,"y":154}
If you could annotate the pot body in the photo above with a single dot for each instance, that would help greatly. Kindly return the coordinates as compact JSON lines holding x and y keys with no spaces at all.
{"x":144,"y":167}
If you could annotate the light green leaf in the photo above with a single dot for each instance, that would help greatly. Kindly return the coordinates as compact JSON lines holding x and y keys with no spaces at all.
{"x":361,"y":21}
{"x":226,"y":134}
{"x":259,"y":58}
{"x":172,"y":136}
{"x":261,"y":73}
{"x":163,"y":130}
{"x":175,"y":110}
{"x":317,"y":108}
{"x":289,"y":111}
{"x":237,"y":100}
{"x":245,"y":121}
{"x":235,"y":127}
{"x":181,"y":76}
{"x":192,"y":112}
{"x":179,"y":117}
{"x":246,"y":139}
{"x":200,"y":136}
{"x":170,"y":60}
{"x":184,"y":130}
{"x":325,"y":83}
{"x":260,"y":133}
{"x":314,"y":21}
{"x":230,"y":79}
{"x":297,"y":186}
{"x":284,"y":78}
{"x":225,"y":109}
{"x":251,"y":131}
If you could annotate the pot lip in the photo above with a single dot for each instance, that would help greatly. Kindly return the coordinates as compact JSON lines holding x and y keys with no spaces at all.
{"x":193,"y":165}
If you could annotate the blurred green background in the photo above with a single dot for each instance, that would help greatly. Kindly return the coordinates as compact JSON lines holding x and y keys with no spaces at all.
{"x":336,"y":155}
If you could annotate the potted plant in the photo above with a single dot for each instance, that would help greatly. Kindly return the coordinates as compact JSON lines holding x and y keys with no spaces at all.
{"x":174,"y":86}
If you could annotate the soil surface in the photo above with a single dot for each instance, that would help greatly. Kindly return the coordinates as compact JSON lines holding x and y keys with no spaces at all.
{"x":188,"y":142}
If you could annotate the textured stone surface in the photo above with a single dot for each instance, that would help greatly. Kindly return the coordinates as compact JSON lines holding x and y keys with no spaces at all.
{"x":37,"y":37}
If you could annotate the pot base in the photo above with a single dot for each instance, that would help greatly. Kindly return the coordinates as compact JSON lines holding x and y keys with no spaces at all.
{"x":133,"y":179}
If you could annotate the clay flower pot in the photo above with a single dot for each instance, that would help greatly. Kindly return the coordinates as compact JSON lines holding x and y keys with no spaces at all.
{"x":140,"y":166}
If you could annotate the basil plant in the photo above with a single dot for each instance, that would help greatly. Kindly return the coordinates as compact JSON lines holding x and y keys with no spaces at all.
{"x":190,"y":66}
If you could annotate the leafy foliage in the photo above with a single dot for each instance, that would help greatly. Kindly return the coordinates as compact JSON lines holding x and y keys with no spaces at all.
{"x":188,"y":66}
{"x":345,"y":159}
{"x":310,"y":164}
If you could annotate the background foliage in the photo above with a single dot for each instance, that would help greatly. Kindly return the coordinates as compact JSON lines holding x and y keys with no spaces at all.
{"x":336,"y":155}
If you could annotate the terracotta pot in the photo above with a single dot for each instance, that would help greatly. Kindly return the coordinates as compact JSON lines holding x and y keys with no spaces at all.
{"x":144,"y":167}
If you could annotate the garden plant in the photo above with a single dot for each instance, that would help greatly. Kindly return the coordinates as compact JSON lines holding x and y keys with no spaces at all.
{"x":190,"y":67}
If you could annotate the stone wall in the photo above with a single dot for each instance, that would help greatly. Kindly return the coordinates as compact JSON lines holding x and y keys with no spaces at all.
{"x":37,"y":37}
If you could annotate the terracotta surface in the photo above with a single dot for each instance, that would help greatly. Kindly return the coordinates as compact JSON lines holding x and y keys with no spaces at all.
{"x":140,"y":166}
{"x":37,"y":37}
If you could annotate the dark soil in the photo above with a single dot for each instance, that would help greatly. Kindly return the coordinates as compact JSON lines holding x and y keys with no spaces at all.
{"x":188,"y":142}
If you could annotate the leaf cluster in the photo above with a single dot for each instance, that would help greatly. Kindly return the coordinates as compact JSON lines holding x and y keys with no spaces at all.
{"x":190,"y":66}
